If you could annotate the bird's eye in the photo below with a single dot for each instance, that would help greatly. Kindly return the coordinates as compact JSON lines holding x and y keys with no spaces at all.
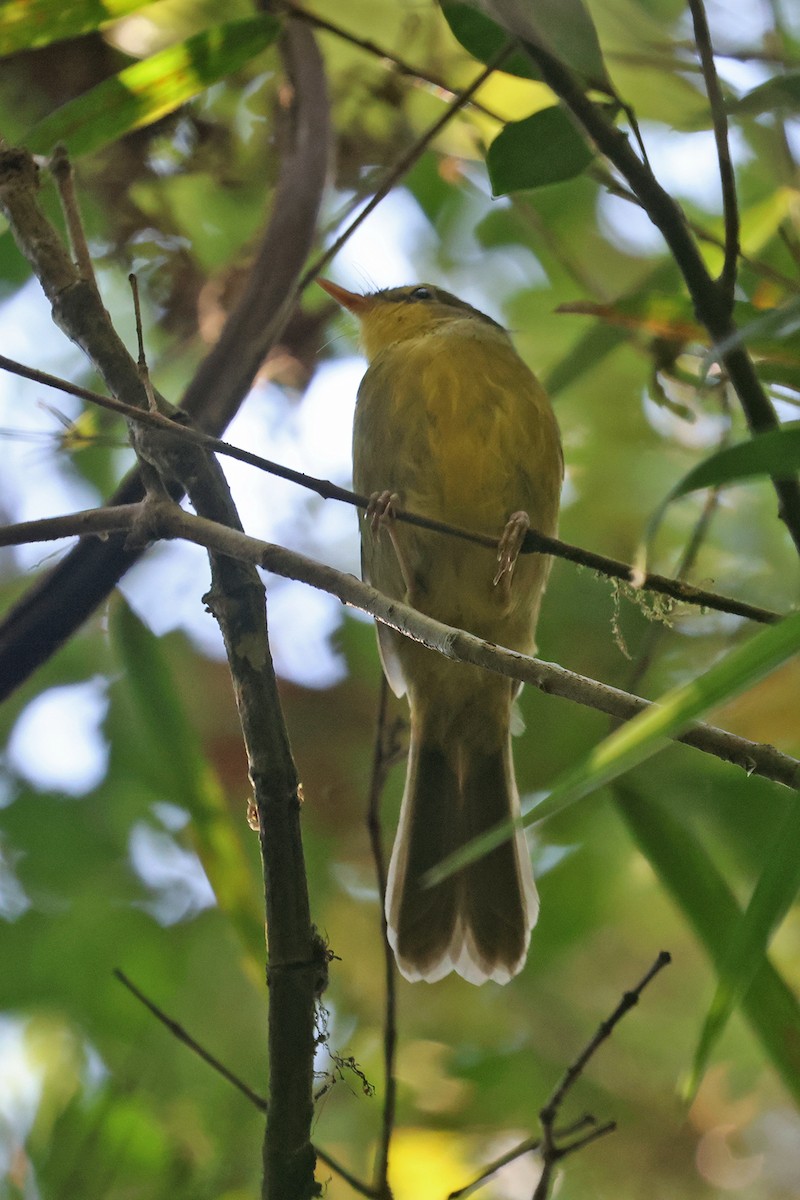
{"x":422,"y":293}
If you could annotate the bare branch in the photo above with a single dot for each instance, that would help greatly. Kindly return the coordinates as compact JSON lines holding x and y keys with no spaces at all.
{"x":178,"y":1031}
{"x":534,"y":542}
{"x":551,"y":1151}
{"x":730,"y":207}
{"x":160,"y":519}
{"x":181,"y":1033}
{"x":61,"y":169}
{"x":56,"y":605}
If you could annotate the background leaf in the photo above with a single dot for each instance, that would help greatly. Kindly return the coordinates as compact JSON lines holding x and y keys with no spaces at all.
{"x":26,"y":24}
{"x":544,"y":148}
{"x":141,"y":94}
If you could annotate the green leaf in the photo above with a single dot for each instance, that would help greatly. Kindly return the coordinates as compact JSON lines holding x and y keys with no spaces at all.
{"x":691,"y":877}
{"x":772,"y":898}
{"x":640,"y":738}
{"x":148,"y":90}
{"x":564,"y":28}
{"x":483,"y":38}
{"x":775,"y":454}
{"x":28,"y":24}
{"x":781,"y":94}
{"x":644,"y":735}
{"x":544,"y":148}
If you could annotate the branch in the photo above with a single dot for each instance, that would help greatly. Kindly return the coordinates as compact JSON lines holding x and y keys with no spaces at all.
{"x":297,"y":957}
{"x":155,"y":519}
{"x":384,"y":752}
{"x":730,"y":208}
{"x":551,"y":1152}
{"x":711,"y":304}
{"x":534,"y":542}
{"x":400,"y":65}
{"x":551,"y":1143}
{"x":178,"y":1031}
{"x":60,"y":601}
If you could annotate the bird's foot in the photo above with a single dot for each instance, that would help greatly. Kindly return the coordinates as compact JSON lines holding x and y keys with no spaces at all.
{"x":381,"y":510}
{"x":509,"y":547}
{"x":381,"y":516}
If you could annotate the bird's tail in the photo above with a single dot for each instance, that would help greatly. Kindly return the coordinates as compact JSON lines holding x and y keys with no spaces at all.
{"x":478,"y":921}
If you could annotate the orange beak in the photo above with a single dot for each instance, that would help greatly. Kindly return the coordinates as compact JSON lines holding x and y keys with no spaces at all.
{"x":350,"y":300}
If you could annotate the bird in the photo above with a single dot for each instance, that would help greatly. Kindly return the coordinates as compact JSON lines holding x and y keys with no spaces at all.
{"x":451,"y":424}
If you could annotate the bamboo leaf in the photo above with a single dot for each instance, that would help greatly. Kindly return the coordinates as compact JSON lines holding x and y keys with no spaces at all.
{"x":692,"y":878}
{"x":29,"y":24}
{"x":646,"y":734}
{"x":148,"y":90}
{"x":747,"y":946}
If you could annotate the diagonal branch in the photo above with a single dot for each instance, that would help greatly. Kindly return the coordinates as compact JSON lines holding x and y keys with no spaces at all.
{"x":730,"y":207}
{"x":169,"y":521}
{"x":710,"y":302}
{"x":551,"y":1151}
{"x":59,"y":602}
{"x":534,"y":543}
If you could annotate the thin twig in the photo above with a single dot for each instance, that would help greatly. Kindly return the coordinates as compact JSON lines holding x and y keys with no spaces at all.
{"x":61,"y":170}
{"x":592,"y":1136}
{"x":551,"y":1151}
{"x":141,"y":363}
{"x":181,"y":1033}
{"x":178,"y":1031}
{"x":381,"y":761}
{"x":159,"y":519}
{"x":686,"y":563}
{"x":401,"y":65}
{"x":534,"y":542}
{"x":530,"y":1145}
{"x":719,"y":116}
{"x":526,"y":1147}
{"x":404,"y":163}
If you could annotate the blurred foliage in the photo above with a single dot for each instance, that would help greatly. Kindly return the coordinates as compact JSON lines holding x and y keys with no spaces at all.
{"x":96,"y":1098}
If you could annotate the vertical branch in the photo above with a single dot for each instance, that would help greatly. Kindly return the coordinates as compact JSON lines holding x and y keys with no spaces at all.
{"x":58,"y":603}
{"x":296,"y":967}
{"x":730,"y":207}
{"x":381,"y":761}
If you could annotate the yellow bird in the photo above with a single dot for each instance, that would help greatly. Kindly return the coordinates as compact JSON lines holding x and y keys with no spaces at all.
{"x":450,"y":423}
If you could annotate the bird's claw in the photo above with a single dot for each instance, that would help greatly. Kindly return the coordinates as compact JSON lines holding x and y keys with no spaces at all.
{"x":381,"y":510}
{"x":510,"y":545}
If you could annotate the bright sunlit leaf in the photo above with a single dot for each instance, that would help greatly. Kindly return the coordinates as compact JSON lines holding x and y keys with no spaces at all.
{"x":150,"y":89}
{"x":29,"y":24}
